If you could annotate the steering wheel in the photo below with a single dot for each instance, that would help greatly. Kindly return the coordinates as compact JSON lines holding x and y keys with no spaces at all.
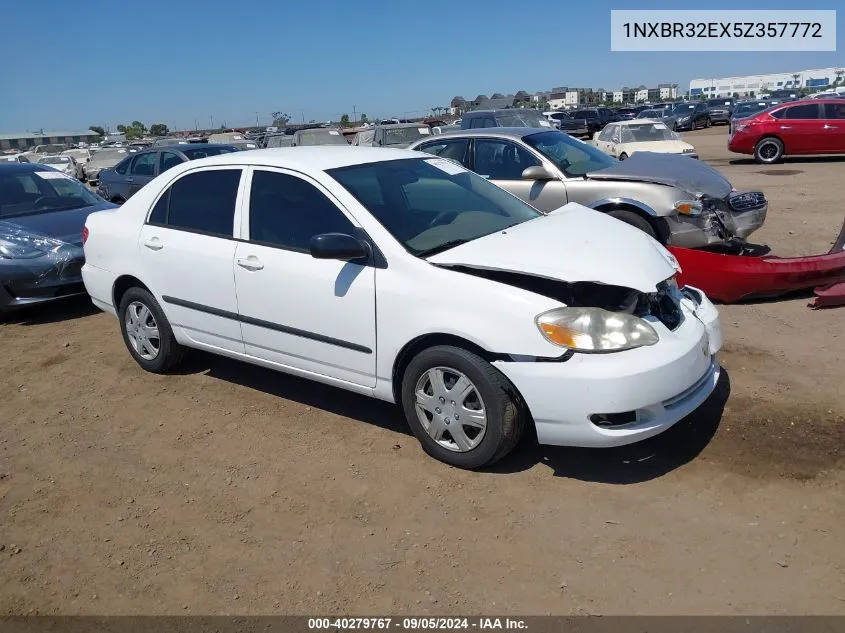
{"x":44,"y":201}
{"x":441,"y":216}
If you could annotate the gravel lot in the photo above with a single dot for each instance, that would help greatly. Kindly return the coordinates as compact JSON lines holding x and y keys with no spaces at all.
{"x":231,"y":489}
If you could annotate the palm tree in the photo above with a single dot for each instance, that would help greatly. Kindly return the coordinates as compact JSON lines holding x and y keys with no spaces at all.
{"x":795,"y":77}
{"x":839,"y":72}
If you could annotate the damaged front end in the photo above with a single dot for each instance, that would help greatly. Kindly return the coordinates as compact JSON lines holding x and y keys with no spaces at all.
{"x":664,"y":304}
{"x":35,"y":268}
{"x":709,"y":221}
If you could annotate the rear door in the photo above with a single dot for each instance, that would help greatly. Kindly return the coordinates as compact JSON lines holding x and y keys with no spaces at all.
{"x":187,"y":250}
{"x":833,"y":127}
{"x":801,"y":128}
{"x":142,"y":171}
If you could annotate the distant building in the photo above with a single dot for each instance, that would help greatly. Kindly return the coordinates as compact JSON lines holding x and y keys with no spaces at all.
{"x":26,"y":140}
{"x":668,"y":91}
{"x":748,"y":85}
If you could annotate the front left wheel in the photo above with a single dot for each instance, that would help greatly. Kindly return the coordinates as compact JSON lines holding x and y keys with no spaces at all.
{"x":147,"y":332}
{"x":462,"y":410}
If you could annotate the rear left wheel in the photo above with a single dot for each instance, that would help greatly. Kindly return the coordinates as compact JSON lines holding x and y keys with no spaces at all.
{"x":462,"y":410}
{"x":147,"y":332}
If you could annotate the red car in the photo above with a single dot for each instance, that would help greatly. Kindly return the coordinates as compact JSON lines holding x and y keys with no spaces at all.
{"x":809,"y":126}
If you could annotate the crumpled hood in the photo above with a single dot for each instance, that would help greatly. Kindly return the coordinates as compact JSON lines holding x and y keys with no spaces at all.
{"x":61,"y":225}
{"x":692,"y":176}
{"x":573,"y":243}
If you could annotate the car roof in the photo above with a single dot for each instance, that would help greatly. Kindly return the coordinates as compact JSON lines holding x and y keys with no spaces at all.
{"x":633,"y":121}
{"x":320,"y":157}
{"x":15,"y":167}
{"x":393,"y":126}
{"x":505,"y":132}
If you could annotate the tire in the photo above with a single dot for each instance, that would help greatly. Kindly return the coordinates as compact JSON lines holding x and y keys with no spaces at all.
{"x":707,"y":123}
{"x":168,"y":352}
{"x":623,"y":156}
{"x":635,"y":220}
{"x":768,"y":150}
{"x":491,"y":393}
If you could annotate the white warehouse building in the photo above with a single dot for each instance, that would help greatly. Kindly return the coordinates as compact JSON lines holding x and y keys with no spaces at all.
{"x":817,"y":79}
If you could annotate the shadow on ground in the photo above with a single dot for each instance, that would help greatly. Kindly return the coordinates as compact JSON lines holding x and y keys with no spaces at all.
{"x":53,"y":312}
{"x":623,"y":465}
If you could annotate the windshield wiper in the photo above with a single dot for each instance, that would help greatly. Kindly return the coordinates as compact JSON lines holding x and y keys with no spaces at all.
{"x":445,"y":246}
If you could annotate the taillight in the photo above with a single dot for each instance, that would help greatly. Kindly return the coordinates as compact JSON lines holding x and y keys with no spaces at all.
{"x":84,"y":235}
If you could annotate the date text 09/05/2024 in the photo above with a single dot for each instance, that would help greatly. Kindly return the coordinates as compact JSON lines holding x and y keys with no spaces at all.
{"x":424,"y":623}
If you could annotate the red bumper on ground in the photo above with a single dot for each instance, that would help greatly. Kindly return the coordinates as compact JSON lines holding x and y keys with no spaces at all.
{"x":729,"y":278}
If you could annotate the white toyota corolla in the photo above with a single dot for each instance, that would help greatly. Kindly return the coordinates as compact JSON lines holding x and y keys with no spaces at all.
{"x":407,"y":278}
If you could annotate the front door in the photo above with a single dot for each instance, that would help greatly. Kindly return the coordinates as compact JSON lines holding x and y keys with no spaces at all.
{"x":502,"y":162}
{"x":311,"y":314}
{"x":188,"y":251}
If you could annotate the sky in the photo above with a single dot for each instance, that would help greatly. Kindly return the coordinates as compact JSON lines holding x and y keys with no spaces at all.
{"x":67,"y":65}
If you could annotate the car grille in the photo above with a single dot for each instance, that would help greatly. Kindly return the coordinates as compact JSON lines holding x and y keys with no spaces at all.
{"x":747,"y":201}
{"x":664,"y":305}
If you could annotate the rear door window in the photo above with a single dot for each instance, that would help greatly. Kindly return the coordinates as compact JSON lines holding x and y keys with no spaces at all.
{"x":803,"y":111}
{"x":203,"y":202}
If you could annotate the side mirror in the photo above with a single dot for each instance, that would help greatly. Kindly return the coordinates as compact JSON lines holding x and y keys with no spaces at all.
{"x":338,"y":246}
{"x":537,"y":172}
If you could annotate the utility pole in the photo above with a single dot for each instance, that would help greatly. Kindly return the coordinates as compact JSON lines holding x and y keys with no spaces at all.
{"x":354,"y":116}
{"x":256,"y":119}
{"x":302,"y":113}
{"x":196,"y":127}
{"x":211,"y":119}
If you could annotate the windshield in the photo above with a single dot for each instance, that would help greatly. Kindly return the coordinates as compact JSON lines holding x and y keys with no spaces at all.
{"x":108,"y":155}
{"x":404,"y":135}
{"x":684,"y":108}
{"x":645,"y":132}
{"x":521,"y":118}
{"x":585,"y":114}
{"x":321,"y":137}
{"x":749,"y":108}
{"x":572,"y":157}
{"x":202,"y":151}
{"x":650,"y":114}
{"x":430,"y":205}
{"x":25,"y":193}
{"x":50,"y":149}
{"x":53,"y":160}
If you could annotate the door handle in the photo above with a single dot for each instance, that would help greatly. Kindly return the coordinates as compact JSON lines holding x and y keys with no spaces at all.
{"x":130,"y":179}
{"x":786,"y":127}
{"x":251,"y":263}
{"x":831,"y":127}
{"x":154,"y":244}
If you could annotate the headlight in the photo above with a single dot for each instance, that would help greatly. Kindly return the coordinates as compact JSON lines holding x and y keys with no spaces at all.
{"x":11,"y":248}
{"x":683,"y":119}
{"x":595,"y":330}
{"x":688,"y":207}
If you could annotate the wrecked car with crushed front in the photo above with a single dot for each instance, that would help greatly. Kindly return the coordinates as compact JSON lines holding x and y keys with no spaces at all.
{"x":417,"y":282}
{"x":674,"y":199}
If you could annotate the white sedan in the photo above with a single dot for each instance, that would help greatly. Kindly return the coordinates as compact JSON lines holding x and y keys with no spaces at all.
{"x":407,"y":278}
{"x":622,"y":138}
{"x":65,"y":164}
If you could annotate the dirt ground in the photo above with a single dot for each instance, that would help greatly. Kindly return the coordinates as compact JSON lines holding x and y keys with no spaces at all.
{"x":231,"y":489}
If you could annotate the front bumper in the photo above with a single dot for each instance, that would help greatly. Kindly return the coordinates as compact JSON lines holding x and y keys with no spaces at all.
{"x":659,"y":385}
{"x":721,"y":221}
{"x":25,"y":282}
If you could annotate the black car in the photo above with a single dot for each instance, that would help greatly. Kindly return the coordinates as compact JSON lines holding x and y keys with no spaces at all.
{"x":627,"y":114}
{"x":119,"y":183}
{"x":691,"y":115}
{"x":42,"y":214}
{"x":592,"y":119}
{"x":721,"y":110}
